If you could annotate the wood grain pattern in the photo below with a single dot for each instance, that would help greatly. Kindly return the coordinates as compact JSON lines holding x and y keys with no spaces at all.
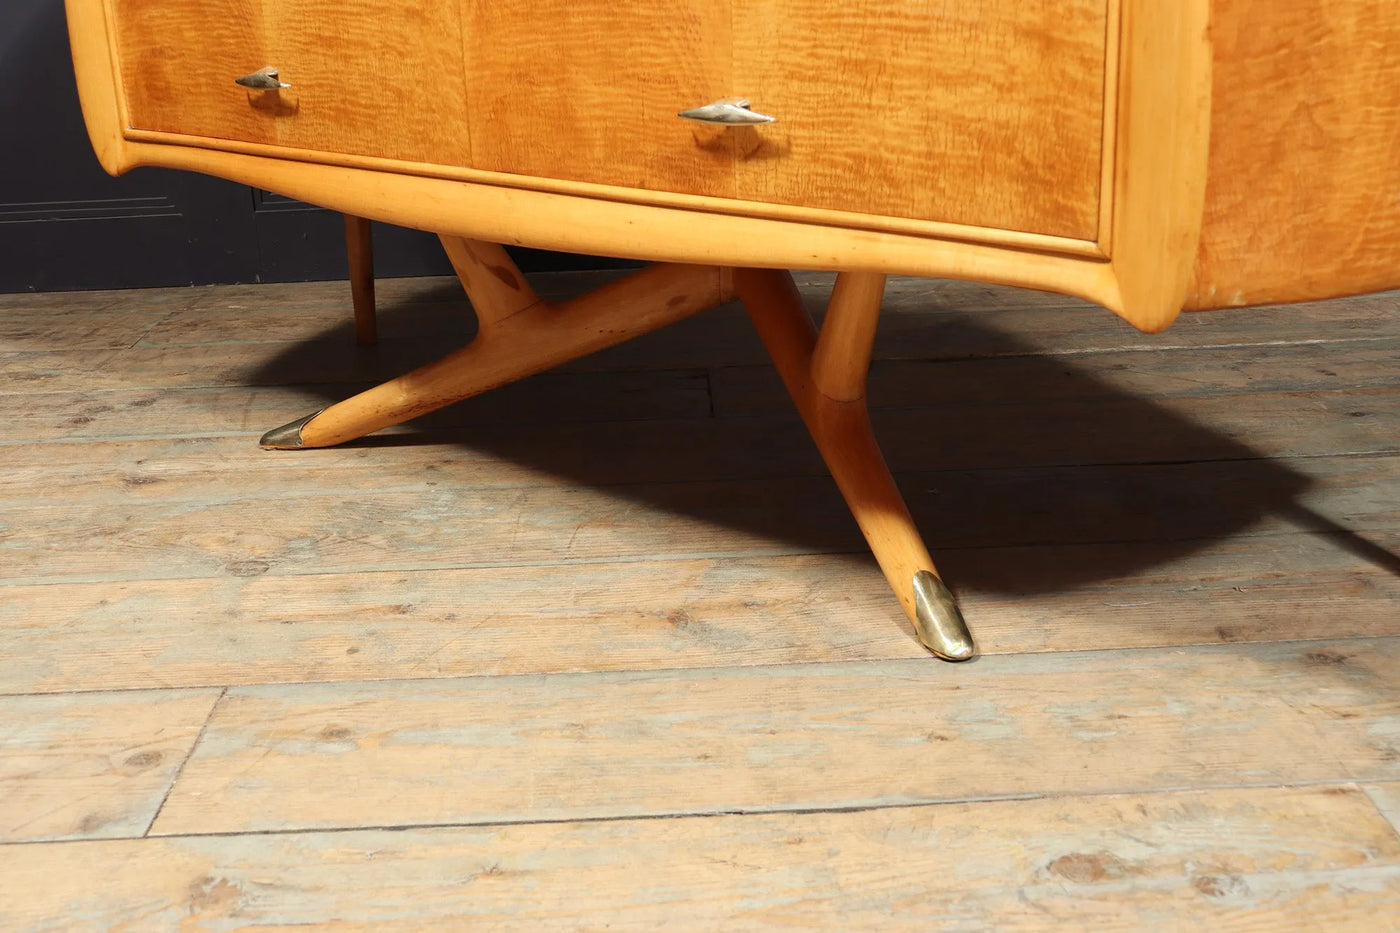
{"x":1387,"y":799}
{"x":590,"y":92}
{"x":937,"y":319}
{"x":707,"y":612}
{"x":1159,"y":163}
{"x":20,"y":331}
{"x":1257,"y":370}
{"x":141,"y":412}
{"x":940,"y":339}
{"x":605,"y":223}
{"x":825,"y":376}
{"x":571,"y":215}
{"x":794,"y":672}
{"x":443,"y":527}
{"x":520,"y":335}
{"x":390,"y":82}
{"x":686,"y":446}
{"x":1303,"y":129}
{"x":1305,"y":153}
{"x":988,"y":114}
{"x":359,"y":250}
{"x":1228,"y":860}
{"x":92,"y":766}
{"x":820,"y":736}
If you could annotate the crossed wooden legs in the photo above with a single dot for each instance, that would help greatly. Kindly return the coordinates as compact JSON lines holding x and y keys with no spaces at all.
{"x":521,"y":334}
{"x":825,"y":375}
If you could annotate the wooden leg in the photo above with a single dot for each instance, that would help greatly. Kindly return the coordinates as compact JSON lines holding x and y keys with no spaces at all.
{"x":360,"y":251}
{"x":826,"y":377}
{"x":519,"y":335}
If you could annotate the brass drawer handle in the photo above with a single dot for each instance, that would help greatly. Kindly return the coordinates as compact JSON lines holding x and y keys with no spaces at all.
{"x":731,"y":111}
{"x":264,"y":79}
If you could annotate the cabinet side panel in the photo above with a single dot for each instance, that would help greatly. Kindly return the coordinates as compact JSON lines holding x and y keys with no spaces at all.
{"x":1303,"y":191}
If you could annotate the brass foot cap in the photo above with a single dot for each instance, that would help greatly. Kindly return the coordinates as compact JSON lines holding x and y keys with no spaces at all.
{"x":938,"y":621}
{"x":287,"y":437}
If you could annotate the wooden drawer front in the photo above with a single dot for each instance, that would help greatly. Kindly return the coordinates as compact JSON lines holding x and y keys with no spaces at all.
{"x":981,"y":112}
{"x":589,"y":92}
{"x":368,"y":77}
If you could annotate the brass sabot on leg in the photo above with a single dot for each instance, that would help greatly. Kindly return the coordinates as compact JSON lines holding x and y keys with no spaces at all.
{"x":938,"y":621}
{"x":287,"y":437}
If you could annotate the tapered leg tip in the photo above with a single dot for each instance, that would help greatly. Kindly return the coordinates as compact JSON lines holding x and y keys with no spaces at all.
{"x":287,"y":437}
{"x":938,"y":620}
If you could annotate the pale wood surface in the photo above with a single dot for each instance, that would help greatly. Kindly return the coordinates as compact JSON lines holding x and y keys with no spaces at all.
{"x":1227,"y":860}
{"x":590,"y":93}
{"x":669,"y":234}
{"x":359,"y":254}
{"x":561,"y":214}
{"x":1305,"y":145}
{"x":1159,"y":163}
{"x":841,"y":359}
{"x":1387,"y":799}
{"x":355,"y":87}
{"x":1302,"y":109}
{"x":825,"y":376}
{"x":90,"y":765}
{"x":658,"y":743}
{"x":672,"y":614}
{"x":519,"y":335}
{"x":985,"y":113}
{"x":557,"y":600}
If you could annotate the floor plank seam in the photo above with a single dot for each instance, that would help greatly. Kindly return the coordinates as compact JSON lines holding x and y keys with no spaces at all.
{"x":236,"y":378}
{"x":853,"y":551}
{"x":1165,"y":348}
{"x":149,"y":328}
{"x":972,"y":358}
{"x":1323,"y":784}
{"x":1392,"y":820}
{"x":175,"y":779}
{"x":324,"y":490}
{"x":815,"y":668}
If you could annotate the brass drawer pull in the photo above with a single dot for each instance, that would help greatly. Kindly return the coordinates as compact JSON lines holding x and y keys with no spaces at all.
{"x":264,"y":79}
{"x":731,"y":111}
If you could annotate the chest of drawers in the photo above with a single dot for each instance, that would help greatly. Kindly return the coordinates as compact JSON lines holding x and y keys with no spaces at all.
{"x":986,"y":114}
{"x":1065,"y":145}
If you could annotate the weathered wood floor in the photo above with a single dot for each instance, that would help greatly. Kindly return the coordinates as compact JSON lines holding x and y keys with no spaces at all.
{"x":604,"y":649}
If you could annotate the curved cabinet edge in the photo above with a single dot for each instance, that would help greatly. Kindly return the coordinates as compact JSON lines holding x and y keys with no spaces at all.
{"x":1161,"y":156}
{"x":571,"y":223}
{"x":94,"y":69}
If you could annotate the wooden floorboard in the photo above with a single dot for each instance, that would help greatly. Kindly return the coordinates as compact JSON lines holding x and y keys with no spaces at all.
{"x":447,"y":526}
{"x":94,"y":765}
{"x":474,"y":672}
{"x":1276,"y":858}
{"x":806,"y":737}
{"x":261,"y":628}
{"x":1387,"y":799}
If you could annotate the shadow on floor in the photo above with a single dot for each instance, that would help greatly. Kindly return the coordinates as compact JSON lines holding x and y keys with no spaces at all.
{"x":1114,"y":482}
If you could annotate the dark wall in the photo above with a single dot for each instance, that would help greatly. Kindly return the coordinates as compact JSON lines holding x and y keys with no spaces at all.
{"x":65,"y":224}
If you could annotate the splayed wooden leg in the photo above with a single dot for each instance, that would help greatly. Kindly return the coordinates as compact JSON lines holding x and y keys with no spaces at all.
{"x":359,"y":251}
{"x":825,"y":374}
{"x":519,"y":335}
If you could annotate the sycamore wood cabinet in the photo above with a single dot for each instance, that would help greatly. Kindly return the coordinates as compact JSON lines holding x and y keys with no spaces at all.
{"x":1107,"y":149}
